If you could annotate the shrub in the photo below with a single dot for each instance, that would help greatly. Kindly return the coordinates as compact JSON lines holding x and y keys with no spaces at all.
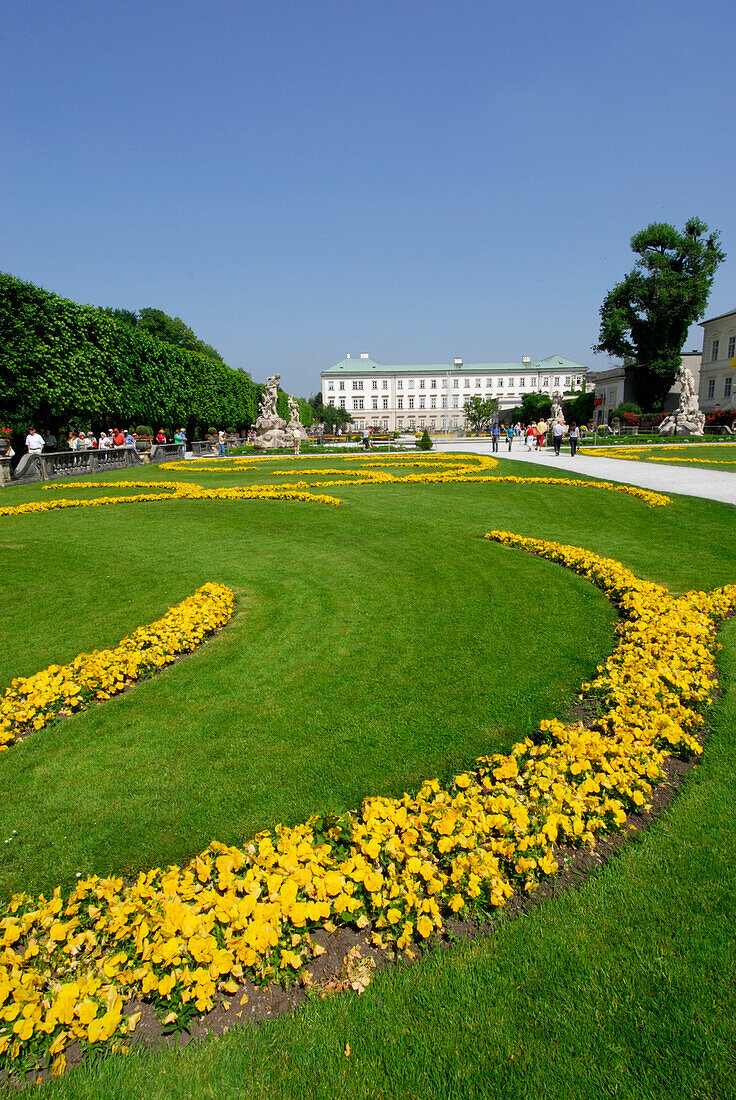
{"x":424,"y":443}
{"x":143,"y":429}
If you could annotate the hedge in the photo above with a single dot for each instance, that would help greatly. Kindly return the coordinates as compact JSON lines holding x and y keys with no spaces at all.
{"x":66,"y":365}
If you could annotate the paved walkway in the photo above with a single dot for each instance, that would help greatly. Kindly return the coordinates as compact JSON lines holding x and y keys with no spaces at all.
{"x":691,"y":481}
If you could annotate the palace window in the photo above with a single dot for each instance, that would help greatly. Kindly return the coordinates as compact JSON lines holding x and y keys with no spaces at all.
{"x":454,"y":401}
{"x":421,"y":403}
{"x":499,"y":383}
{"x":400,"y":423}
{"x":511,"y":383}
{"x":410,"y":383}
{"x":385,"y":402}
{"x":714,"y":350}
{"x":545,"y":382}
{"x":444,"y":400}
{"x":342,"y":385}
{"x":522,"y":383}
{"x":433,"y":402}
{"x":375,"y":403}
{"x":330,"y":385}
{"x":357,"y":402}
{"x":399,"y":402}
{"x":433,"y":384}
{"x":557,"y":379}
{"x":357,"y":385}
{"x":711,"y":387}
{"x":384,"y":384}
{"x":731,"y":346}
{"x":727,"y":387}
{"x":421,"y":383}
{"x":342,"y":402}
{"x":456,"y":383}
{"x":568,"y":379}
{"x":375,"y":384}
{"x":466,"y":383}
{"x":399,"y":383}
{"x":478,"y":383}
{"x":411,"y":402}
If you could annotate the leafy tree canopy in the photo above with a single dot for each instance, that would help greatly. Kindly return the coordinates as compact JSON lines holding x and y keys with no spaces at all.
{"x":171,"y":330}
{"x":479,"y":412}
{"x":645,"y":318}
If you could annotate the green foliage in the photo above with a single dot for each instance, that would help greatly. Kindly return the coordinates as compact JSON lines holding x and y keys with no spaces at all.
{"x":479,"y":412}
{"x":63,"y":364}
{"x":306,"y":413}
{"x":579,"y":411}
{"x":535,"y":406}
{"x":626,"y":407}
{"x":647,"y":315}
{"x":424,"y":443}
{"x":171,"y":330}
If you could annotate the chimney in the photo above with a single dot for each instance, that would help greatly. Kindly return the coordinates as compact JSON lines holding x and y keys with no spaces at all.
{"x":526,"y":360}
{"x":347,"y":356}
{"x":364,"y":355}
{"x":457,"y":362}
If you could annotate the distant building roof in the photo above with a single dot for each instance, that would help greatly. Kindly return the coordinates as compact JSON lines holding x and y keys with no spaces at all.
{"x":366,"y":365}
{"x":720,"y":317}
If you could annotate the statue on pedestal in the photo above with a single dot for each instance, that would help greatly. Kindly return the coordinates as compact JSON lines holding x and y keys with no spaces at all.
{"x":556,"y":413}
{"x":295,"y":425}
{"x":270,"y":428}
{"x":688,"y":420}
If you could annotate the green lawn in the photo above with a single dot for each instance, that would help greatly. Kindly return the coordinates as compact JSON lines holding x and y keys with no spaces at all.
{"x":374,"y":645}
{"x":708,"y":457}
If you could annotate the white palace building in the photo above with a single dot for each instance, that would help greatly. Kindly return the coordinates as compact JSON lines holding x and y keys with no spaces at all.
{"x":433,"y":395}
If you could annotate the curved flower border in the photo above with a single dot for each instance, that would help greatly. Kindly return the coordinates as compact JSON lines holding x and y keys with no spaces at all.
{"x":185,"y":937}
{"x":32,"y":702}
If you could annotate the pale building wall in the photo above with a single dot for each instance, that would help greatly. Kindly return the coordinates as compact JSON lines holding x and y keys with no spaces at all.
{"x":717,"y":379}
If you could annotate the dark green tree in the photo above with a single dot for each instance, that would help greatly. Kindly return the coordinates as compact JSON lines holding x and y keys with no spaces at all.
{"x":645,"y":318}
{"x":479,"y":412}
{"x":535,"y":406}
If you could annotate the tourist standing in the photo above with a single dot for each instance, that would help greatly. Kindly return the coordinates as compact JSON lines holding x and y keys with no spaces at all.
{"x":574,"y":437}
{"x":181,"y":439}
{"x":49,"y":440}
{"x":222,"y":440}
{"x":297,"y":440}
{"x":118,"y":439}
{"x":34,"y":442}
{"x":510,"y":436}
{"x":160,"y":436}
{"x":495,"y":433}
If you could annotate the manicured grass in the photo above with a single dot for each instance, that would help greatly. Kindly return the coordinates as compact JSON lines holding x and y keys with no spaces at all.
{"x":375,"y":644}
{"x":711,"y":457}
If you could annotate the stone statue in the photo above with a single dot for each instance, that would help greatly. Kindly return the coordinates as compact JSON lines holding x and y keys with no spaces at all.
{"x":270,"y":427}
{"x":272,"y":431}
{"x":556,"y":411}
{"x":295,"y":424}
{"x":688,"y":420}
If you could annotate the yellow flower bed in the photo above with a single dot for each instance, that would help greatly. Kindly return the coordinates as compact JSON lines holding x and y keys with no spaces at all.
{"x":175,"y":491}
{"x":31,"y":702}
{"x":185,"y":937}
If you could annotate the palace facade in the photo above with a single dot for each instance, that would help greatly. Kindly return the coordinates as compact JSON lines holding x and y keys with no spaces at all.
{"x":433,"y":395}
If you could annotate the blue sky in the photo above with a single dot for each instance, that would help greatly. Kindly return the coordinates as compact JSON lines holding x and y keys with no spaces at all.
{"x":417,"y":180}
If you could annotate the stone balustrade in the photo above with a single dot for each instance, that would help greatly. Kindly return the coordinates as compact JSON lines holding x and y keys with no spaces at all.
{"x":60,"y":464}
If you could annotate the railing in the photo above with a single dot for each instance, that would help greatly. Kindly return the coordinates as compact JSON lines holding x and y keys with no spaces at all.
{"x":60,"y":464}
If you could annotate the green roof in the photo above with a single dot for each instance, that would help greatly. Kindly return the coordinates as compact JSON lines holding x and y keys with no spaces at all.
{"x":370,"y":366}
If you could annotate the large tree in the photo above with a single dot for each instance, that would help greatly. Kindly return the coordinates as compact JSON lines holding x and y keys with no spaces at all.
{"x":479,"y":412}
{"x":645,"y":318}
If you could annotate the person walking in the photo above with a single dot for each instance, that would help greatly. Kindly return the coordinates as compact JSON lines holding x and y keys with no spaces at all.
{"x":221,"y":441}
{"x":495,"y":433}
{"x":510,"y":436}
{"x":181,"y":439}
{"x":531,"y":436}
{"x":574,"y":438}
{"x":558,"y":430}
